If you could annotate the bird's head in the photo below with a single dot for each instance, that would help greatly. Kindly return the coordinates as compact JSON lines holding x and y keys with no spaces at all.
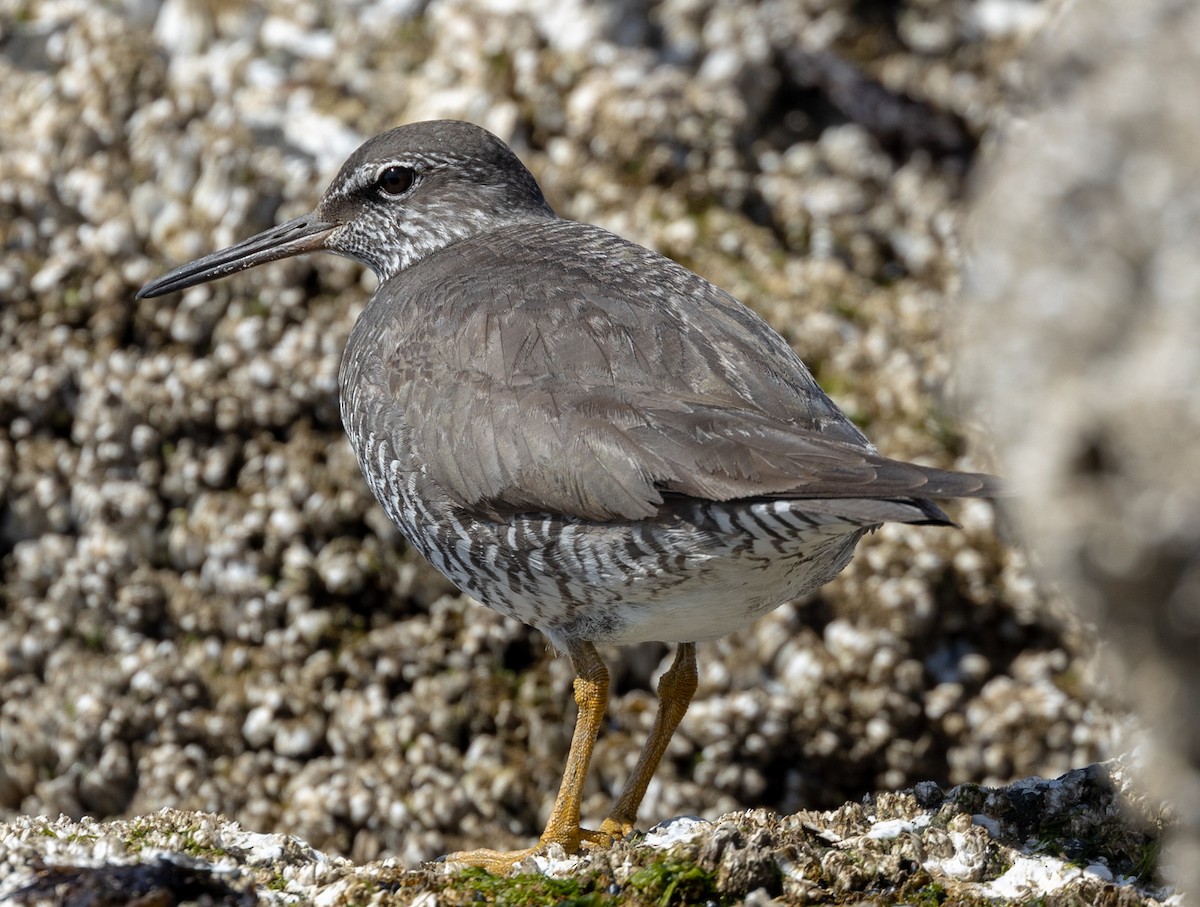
{"x":401,"y":196}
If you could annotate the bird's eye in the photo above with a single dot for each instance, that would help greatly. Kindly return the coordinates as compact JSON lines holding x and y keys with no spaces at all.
{"x":395,"y":180}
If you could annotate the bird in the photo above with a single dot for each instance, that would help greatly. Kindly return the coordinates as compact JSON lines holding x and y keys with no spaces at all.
{"x":580,"y":433}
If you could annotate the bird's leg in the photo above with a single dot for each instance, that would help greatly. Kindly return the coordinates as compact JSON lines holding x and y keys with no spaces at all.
{"x":675,"y":691}
{"x":591,"y":695}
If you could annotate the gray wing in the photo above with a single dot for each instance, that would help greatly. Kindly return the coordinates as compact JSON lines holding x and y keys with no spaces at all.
{"x":576,"y":385}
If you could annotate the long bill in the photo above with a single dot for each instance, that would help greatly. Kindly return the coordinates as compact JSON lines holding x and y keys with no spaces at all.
{"x":303,"y":234}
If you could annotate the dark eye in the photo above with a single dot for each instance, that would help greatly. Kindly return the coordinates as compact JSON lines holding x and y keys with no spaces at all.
{"x":395,"y":180}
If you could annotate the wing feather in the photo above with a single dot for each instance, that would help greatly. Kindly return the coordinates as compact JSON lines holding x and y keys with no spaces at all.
{"x":558,"y":368}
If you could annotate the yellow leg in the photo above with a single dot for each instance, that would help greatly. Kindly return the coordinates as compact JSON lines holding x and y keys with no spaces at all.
{"x":675,"y":691}
{"x":591,"y":695}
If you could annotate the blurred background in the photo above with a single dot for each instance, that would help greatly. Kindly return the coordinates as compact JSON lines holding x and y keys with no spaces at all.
{"x":202,"y":607}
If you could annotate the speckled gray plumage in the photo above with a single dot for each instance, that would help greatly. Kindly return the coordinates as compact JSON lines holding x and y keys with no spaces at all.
{"x":579,"y":432}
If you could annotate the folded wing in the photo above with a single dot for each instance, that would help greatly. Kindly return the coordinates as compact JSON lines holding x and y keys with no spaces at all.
{"x":595,"y":393}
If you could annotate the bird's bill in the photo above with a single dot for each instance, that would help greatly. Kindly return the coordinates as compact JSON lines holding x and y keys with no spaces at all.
{"x":303,"y":234}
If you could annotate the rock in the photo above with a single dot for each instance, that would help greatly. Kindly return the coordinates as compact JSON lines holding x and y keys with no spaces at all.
{"x":1085,"y":350}
{"x":1076,"y":840}
{"x":202,"y":606}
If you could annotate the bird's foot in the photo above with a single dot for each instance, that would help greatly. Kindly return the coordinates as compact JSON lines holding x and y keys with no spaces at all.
{"x":615,"y":829}
{"x":498,"y":862}
{"x":572,"y":841}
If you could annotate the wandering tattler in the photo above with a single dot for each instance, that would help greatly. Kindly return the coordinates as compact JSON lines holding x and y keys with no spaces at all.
{"x":580,"y":433}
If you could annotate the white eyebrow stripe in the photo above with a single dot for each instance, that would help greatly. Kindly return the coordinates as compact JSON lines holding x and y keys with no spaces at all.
{"x":366,"y":175}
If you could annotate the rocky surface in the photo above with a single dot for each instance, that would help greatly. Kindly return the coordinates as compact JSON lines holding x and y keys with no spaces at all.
{"x":1086,"y":286}
{"x":1076,"y":841}
{"x":200,"y":605}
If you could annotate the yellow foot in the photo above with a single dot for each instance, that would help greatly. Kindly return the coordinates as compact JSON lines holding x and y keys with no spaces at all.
{"x":616,"y":829}
{"x":499,"y":862}
{"x":502,"y":862}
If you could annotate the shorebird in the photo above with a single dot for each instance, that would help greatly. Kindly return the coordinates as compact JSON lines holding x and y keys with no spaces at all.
{"x":580,"y":433}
